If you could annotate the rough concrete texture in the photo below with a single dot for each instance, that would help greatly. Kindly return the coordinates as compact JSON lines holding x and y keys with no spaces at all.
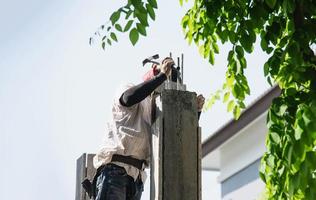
{"x":178,"y":176}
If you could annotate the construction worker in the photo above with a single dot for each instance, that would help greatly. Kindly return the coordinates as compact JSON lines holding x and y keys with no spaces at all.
{"x":125,"y":153}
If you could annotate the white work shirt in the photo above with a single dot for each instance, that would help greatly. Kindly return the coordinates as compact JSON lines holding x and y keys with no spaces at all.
{"x":128,"y":134}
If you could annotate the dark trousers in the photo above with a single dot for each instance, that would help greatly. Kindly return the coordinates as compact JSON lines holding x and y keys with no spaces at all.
{"x":113,"y":183}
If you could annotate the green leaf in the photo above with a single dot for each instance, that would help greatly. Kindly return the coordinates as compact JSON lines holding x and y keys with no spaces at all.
{"x":211,"y":57}
{"x":181,"y":2}
{"x":252,"y":36}
{"x":218,"y":95}
{"x":215,"y":47}
{"x":237,"y":91}
{"x":103,"y":45}
{"x":275,"y":137}
{"x":133,"y":36}
{"x":109,"y":41}
{"x":236,"y":67}
{"x":230,"y":105}
{"x":240,"y":51}
{"x":298,"y":132}
{"x":141,"y":29}
{"x":236,"y":112}
{"x":307,"y":118}
{"x":263,"y":43}
{"x":230,"y":56}
{"x":288,"y":6}
{"x":230,"y":81}
{"x":282,"y":109}
{"x":241,"y":104}
{"x":270,"y":3}
{"x":224,"y":35}
{"x":270,"y":81}
{"x":113,"y":36}
{"x":142,"y":18}
{"x":115,"y":17}
{"x":224,"y":86}
{"x":289,"y":155}
{"x":246,"y":42}
{"x":138,"y":5}
{"x":185,"y":21}
{"x":269,"y":50}
{"x":207,"y":49}
{"x":128,"y":25}
{"x":153,"y":3}
{"x":118,"y":27}
{"x":270,"y":161}
{"x":232,"y":37}
{"x":243,"y":62}
{"x":244,"y":84}
{"x":189,"y":37}
{"x":262,"y":176}
{"x":128,"y":14}
{"x":151,"y":11}
{"x":226,"y":97}
{"x":290,"y":91}
{"x":210,"y":102}
{"x":201,"y":50}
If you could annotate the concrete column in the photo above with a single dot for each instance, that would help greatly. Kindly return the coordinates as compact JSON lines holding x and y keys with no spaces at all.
{"x":175,"y":166}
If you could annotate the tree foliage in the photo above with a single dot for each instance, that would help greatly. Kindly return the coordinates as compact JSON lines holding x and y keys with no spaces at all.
{"x":287,"y":32}
{"x":131,"y":18}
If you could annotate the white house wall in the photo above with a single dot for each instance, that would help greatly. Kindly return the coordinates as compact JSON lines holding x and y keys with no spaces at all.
{"x":211,"y":161}
{"x":244,"y":148}
{"x":251,"y":191}
{"x":241,"y":178}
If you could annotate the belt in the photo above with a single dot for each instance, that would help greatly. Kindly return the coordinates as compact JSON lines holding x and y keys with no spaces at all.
{"x":128,"y":160}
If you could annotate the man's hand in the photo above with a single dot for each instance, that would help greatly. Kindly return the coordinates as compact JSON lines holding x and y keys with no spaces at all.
{"x":166,"y":65}
{"x":200,"y":102}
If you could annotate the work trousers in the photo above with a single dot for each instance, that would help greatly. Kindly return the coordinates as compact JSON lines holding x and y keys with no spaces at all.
{"x":113,"y":183}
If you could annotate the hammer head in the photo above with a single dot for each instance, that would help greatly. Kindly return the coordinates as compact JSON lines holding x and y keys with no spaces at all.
{"x":150,"y":59}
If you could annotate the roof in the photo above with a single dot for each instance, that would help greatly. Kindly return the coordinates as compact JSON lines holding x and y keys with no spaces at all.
{"x":234,"y":126}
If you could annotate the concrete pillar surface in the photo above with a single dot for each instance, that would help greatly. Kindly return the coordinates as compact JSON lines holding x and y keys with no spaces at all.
{"x":175,"y":170}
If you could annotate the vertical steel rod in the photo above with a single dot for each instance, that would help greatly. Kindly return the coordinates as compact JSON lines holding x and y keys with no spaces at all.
{"x":178,"y":71}
{"x":182,"y":57}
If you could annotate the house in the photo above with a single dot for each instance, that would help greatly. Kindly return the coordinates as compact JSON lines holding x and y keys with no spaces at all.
{"x":236,"y":148}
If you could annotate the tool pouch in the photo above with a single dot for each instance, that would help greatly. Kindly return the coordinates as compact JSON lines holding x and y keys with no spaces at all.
{"x":89,"y":188}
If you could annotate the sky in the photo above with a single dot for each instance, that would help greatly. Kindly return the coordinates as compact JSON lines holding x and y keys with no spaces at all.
{"x":56,"y":90}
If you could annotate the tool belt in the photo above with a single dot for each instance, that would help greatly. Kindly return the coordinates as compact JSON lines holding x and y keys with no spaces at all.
{"x":128,"y":160}
{"x":90,"y":187}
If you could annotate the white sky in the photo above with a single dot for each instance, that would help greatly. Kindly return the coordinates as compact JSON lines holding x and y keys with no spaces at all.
{"x":56,"y":90}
